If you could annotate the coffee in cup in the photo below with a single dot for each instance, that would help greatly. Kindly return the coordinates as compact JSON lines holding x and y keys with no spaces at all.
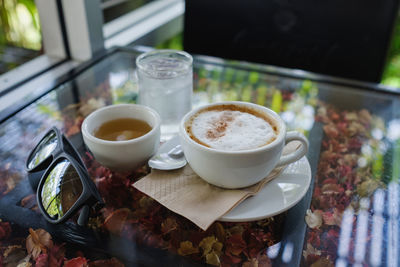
{"x":232,"y":128}
{"x":236,"y":144}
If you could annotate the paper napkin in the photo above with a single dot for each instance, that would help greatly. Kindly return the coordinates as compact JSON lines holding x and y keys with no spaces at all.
{"x":184,"y":192}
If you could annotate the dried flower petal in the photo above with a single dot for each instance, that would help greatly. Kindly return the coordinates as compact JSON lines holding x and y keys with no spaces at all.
{"x":236,"y":230}
{"x":56,"y":255}
{"x":364,"y":116}
{"x":26,"y":264}
{"x":113,"y":262}
{"x":76,"y":262}
{"x":207,"y":244}
{"x":213,"y":259}
{"x":5,"y":230}
{"x":91,"y":105}
{"x":331,"y":189}
{"x":311,"y":251}
{"x":332,"y":218}
{"x":116,"y":220}
{"x":29,"y":201}
{"x":14,"y":255}
{"x":331,"y":131}
{"x":366,"y":188}
{"x":323,"y":262}
{"x":42,"y":261}
{"x":168,"y":225}
{"x":186,"y":248}
{"x":219,"y":231}
{"x":38,"y":241}
{"x":146,"y":202}
{"x":235,"y":245}
{"x":253,"y":262}
{"x":313,"y":219}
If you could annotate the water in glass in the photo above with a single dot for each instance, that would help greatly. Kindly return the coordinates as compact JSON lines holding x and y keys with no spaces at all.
{"x":166,"y":85}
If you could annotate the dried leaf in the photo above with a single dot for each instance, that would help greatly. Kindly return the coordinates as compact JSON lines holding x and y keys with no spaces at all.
{"x":38,"y":241}
{"x":186,"y":248}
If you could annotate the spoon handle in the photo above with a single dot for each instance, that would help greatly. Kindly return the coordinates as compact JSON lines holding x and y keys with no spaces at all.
{"x":176,"y":152}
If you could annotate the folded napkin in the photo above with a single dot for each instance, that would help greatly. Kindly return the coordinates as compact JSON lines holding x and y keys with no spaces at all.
{"x":184,"y":192}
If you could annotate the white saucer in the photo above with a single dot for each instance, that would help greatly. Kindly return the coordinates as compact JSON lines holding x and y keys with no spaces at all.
{"x":277,"y":196}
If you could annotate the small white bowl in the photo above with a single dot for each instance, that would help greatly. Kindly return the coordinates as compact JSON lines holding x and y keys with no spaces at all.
{"x":128,"y":154}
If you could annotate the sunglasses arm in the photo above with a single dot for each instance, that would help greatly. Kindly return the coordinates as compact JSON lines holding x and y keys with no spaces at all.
{"x":84,"y":215}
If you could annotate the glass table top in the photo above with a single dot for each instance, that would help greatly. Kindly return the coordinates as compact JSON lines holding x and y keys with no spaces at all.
{"x":349,"y":215}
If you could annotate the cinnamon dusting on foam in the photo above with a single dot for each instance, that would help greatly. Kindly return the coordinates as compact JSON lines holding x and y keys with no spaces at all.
{"x":220,"y":125}
{"x":231,"y":127}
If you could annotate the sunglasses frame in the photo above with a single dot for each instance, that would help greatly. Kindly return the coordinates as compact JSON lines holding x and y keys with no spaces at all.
{"x":38,"y":175}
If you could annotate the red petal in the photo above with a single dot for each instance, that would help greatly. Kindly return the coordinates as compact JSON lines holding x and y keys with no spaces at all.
{"x":76,"y":262}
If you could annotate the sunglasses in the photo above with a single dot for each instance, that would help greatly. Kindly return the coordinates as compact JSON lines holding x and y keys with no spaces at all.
{"x":62,"y":183}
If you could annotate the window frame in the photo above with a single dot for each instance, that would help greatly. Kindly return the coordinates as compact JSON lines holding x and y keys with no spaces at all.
{"x":150,"y":24}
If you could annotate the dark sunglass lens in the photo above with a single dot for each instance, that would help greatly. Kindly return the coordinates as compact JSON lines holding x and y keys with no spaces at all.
{"x":43,"y":150}
{"x":61,"y":189}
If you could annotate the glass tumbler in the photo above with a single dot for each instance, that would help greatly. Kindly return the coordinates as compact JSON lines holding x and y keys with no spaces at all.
{"x":165,"y":80}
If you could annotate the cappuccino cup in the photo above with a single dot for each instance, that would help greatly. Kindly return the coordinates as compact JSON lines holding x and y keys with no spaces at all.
{"x":236,"y":144}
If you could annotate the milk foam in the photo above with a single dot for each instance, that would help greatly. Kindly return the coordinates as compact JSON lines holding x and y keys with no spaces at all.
{"x":231,"y":130}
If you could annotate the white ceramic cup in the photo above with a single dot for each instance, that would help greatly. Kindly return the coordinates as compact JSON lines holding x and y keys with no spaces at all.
{"x":237,"y":169}
{"x":128,"y":154}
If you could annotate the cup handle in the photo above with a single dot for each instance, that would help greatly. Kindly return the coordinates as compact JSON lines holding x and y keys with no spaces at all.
{"x":295,"y":155}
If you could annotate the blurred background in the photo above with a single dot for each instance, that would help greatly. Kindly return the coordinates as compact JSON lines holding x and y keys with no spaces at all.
{"x":21,"y":40}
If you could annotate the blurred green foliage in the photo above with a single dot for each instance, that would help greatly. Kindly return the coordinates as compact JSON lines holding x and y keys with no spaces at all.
{"x":175,"y":42}
{"x":19,"y":24}
{"x":391,"y":74}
